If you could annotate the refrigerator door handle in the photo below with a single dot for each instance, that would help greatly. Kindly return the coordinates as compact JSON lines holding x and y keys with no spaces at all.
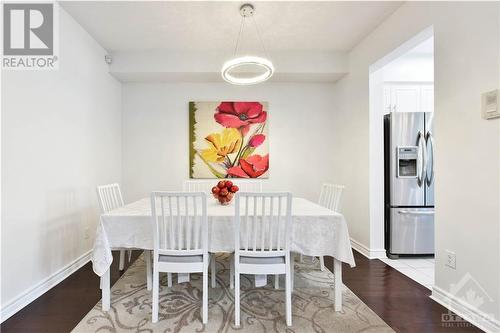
{"x":416,"y":212}
{"x":421,"y":160}
{"x":429,"y":141}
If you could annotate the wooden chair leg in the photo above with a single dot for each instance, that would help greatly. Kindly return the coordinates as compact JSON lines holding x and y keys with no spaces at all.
{"x":292,"y":270}
{"x":213,"y":271}
{"x":129,"y":256}
{"x":276,"y":281}
{"x":169,"y":280}
{"x":121,"y":265}
{"x":231,"y":272}
{"x":322,"y":263}
{"x":236,"y":297}
{"x":156,"y":291}
{"x":205,"y":290}
{"x":288,"y":294}
{"x":149,"y":275}
{"x":301,"y":257}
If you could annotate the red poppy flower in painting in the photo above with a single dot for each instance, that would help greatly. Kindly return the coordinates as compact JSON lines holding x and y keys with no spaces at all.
{"x":240,"y":115}
{"x":252,"y":167}
{"x":256,"y":140}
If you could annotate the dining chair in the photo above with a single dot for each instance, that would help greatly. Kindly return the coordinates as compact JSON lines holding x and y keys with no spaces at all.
{"x":248,"y":185}
{"x":206,"y":187}
{"x":180,"y":232}
{"x":262,"y":233}
{"x":110,"y":198}
{"x":329,"y":197}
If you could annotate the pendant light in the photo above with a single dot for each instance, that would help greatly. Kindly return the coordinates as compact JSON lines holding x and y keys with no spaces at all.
{"x":230,"y":67}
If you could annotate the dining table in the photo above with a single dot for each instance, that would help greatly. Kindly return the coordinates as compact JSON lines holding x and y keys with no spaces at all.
{"x":316,"y":231}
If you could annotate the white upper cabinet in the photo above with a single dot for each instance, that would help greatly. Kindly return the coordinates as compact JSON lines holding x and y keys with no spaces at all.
{"x":427,"y":98}
{"x":387,"y":99}
{"x":406,"y":98}
{"x":402,"y":97}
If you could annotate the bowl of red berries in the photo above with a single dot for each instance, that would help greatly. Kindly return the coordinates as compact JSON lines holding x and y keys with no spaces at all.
{"x":224,"y":191}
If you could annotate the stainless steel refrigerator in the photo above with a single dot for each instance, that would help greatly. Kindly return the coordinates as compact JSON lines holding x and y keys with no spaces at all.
{"x":409,"y":183}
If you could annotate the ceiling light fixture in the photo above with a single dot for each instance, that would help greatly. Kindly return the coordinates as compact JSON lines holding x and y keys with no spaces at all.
{"x":239,"y":64}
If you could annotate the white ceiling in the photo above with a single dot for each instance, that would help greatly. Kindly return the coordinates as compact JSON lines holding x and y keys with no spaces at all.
{"x":199,"y":26}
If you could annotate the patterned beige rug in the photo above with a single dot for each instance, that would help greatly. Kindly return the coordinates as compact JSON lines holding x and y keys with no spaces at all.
{"x":263,"y":309}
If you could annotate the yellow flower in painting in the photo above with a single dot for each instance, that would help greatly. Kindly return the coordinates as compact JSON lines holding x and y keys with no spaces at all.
{"x":222,"y":144}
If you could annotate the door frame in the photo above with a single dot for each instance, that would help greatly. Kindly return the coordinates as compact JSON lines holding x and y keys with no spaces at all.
{"x":376,"y":141}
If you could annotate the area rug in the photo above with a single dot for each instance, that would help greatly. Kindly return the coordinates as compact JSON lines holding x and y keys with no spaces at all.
{"x":262,"y":309}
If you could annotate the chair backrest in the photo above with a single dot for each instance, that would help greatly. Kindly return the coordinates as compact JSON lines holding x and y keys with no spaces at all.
{"x":330,"y":196}
{"x":179,"y":223}
{"x":110,"y":197}
{"x":204,"y":186}
{"x":263,"y":223}
{"x":248,"y":185}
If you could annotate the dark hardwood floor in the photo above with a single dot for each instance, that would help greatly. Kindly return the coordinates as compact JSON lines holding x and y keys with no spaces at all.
{"x":60,"y":309}
{"x":399,"y":301}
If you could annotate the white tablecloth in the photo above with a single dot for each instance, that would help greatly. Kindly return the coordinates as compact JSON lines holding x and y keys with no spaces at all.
{"x":317,"y":231}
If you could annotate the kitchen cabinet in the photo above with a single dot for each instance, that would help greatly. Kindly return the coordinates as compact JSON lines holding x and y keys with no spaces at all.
{"x":427,"y":98}
{"x":408,"y":97}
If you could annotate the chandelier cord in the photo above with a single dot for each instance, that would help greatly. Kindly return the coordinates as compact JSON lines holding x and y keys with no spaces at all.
{"x":239,"y":35}
{"x":266,"y":68}
{"x":260,"y":37}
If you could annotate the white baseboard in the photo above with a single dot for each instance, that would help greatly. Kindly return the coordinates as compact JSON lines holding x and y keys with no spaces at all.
{"x":42,"y":287}
{"x":367,"y":252}
{"x":466,"y":311}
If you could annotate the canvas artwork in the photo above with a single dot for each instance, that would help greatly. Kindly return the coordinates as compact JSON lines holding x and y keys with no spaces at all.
{"x":228,"y":140}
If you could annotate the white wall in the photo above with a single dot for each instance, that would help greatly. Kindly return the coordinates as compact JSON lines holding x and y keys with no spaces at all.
{"x":155,"y":134}
{"x":61,"y":136}
{"x":467,"y":147}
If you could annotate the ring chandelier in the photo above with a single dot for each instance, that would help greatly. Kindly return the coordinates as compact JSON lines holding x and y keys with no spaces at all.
{"x":231,"y":67}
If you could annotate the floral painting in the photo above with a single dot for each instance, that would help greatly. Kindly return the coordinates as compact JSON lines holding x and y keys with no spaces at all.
{"x":228,"y":140}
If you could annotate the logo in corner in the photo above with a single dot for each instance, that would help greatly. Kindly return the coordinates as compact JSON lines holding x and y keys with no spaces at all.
{"x":467,"y":291}
{"x":29,"y":36}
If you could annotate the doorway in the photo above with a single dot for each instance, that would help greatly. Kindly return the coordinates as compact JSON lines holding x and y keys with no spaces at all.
{"x":402,"y":81}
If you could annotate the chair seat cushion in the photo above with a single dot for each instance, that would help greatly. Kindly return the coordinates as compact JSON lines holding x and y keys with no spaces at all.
{"x":262,"y":260}
{"x":186,"y":259}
